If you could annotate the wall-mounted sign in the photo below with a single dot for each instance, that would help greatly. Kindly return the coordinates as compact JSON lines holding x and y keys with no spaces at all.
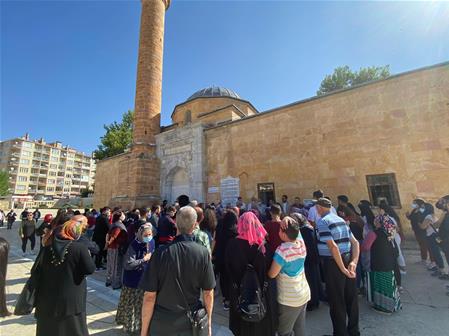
{"x":230,"y":190}
{"x":213,"y":190}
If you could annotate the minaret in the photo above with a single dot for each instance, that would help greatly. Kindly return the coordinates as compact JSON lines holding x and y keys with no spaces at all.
{"x":144,"y":165}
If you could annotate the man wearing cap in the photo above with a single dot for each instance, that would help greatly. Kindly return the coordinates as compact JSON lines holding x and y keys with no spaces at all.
{"x":339,"y":251}
{"x":313,"y":216}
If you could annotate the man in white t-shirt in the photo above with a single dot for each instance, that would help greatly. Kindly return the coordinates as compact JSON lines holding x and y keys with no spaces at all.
{"x":313,"y":216}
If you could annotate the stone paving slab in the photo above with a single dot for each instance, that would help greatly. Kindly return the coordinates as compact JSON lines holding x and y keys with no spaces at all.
{"x":425,"y":305}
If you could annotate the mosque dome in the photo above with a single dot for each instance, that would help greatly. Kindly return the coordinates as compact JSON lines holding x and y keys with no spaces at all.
{"x":214,"y":91}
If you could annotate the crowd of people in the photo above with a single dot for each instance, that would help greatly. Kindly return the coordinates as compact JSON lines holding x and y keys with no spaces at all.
{"x":273,"y":262}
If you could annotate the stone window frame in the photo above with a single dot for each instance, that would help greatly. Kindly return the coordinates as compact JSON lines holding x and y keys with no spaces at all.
{"x":383,"y":186}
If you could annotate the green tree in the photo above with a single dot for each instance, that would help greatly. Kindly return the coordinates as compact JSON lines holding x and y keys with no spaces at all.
{"x":343,"y":77}
{"x":117,"y":138}
{"x":4,"y":183}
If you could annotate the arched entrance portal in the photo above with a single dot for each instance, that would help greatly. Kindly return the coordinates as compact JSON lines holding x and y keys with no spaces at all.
{"x":178,"y":183}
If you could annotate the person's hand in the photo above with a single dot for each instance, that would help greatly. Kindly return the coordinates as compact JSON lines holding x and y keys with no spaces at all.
{"x":22,"y":236}
{"x":352,"y":267}
{"x":147,"y":257}
{"x":285,"y":222}
{"x":348,"y":273}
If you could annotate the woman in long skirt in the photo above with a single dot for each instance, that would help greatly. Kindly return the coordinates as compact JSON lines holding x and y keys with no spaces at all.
{"x":137,"y":256}
{"x":383,"y":291}
{"x":116,"y":239}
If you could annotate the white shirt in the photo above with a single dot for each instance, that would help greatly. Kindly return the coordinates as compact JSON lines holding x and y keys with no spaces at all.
{"x":314,"y":216}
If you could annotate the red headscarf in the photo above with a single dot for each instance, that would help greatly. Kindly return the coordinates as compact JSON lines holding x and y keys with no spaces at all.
{"x":250,"y":229}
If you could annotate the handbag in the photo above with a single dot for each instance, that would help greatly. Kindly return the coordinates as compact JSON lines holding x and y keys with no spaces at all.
{"x":198,"y":317}
{"x":27,"y":298}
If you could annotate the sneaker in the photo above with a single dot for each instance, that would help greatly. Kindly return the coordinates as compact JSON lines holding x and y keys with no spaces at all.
{"x":444,"y":277}
{"x":433,"y":269}
{"x":431,"y":266}
{"x":24,"y":254}
{"x":436,"y":273}
{"x":107,"y":284}
{"x":225,"y":306}
{"x":400,"y":289}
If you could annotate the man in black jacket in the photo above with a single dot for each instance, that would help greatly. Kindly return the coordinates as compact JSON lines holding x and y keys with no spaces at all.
{"x":99,"y":236}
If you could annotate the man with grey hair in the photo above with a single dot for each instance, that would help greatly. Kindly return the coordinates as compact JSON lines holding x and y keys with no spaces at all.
{"x":177,"y":274}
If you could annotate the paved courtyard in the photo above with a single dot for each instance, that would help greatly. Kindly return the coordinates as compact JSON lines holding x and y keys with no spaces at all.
{"x":425,"y":305}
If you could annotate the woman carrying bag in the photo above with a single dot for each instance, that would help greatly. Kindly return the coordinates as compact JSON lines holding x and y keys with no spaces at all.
{"x":61,"y":290}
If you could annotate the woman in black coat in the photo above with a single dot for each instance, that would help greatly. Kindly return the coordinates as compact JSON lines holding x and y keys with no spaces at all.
{"x":249,"y":248}
{"x":226,"y":230}
{"x":61,"y":294}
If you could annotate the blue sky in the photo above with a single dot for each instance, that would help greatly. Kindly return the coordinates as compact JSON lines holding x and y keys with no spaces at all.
{"x":68,"y":67}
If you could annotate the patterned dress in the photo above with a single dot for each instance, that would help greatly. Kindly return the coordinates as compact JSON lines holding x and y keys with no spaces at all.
{"x":129,"y":310}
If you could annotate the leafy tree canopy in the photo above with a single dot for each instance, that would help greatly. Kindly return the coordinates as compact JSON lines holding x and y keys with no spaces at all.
{"x":118,"y":137}
{"x":4,"y":183}
{"x":343,"y":77}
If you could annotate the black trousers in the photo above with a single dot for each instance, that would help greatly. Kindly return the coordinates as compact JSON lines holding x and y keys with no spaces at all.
{"x":343,"y":301}
{"x":99,"y":258}
{"x":10,"y":223}
{"x":32,"y":239}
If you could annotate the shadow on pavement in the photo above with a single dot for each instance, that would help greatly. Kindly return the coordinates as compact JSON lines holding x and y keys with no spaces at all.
{"x":18,"y":281}
{"x":21,"y":320}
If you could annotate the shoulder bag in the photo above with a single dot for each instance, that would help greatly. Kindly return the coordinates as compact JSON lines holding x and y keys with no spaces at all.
{"x":198,"y":317}
{"x":27,"y":298}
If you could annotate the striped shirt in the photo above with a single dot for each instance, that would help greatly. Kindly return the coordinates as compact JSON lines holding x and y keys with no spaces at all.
{"x":332,"y":227}
{"x":293,"y":289}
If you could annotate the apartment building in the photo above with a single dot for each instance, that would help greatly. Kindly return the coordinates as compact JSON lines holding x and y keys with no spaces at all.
{"x":42,"y":170}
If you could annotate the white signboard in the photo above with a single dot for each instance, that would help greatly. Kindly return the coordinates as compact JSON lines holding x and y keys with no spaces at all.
{"x":213,"y":190}
{"x":230,"y":190}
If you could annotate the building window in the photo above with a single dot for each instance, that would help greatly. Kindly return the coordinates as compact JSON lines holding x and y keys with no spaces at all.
{"x":26,"y":153}
{"x":52,"y":173}
{"x":24,"y":161}
{"x":51,"y":181}
{"x":383,"y":187}
{"x":53,"y":166}
{"x":55,"y":159}
{"x":27,"y":144}
{"x":22,"y":178}
{"x":266,"y":192}
{"x":23,"y":170}
{"x":50,"y":189}
{"x":20,"y":187}
{"x":55,"y":151}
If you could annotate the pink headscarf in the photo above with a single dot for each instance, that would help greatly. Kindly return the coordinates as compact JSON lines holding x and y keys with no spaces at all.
{"x":250,"y":229}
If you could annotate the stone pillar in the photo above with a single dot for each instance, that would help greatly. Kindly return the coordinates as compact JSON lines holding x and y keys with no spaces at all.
{"x":143,"y":165}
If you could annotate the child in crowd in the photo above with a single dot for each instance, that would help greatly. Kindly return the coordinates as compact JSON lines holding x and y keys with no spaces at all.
{"x":293,"y":289}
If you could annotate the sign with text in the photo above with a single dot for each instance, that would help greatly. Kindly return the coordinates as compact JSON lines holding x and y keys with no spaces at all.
{"x":229,"y":190}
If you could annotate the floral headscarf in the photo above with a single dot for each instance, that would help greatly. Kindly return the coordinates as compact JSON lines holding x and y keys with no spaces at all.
{"x":387,"y":225}
{"x":250,"y":229}
{"x":73,"y":228}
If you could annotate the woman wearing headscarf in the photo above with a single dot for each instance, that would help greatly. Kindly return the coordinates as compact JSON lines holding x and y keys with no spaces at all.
{"x":382,"y":288}
{"x":312,"y":263}
{"x":61,"y":294}
{"x":134,"y":262}
{"x":4,"y":251}
{"x":249,"y":248}
{"x":116,"y":241}
{"x":386,"y":210}
{"x":226,"y":230}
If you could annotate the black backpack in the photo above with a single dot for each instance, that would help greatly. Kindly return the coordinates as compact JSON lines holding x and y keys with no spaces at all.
{"x":251,"y":305}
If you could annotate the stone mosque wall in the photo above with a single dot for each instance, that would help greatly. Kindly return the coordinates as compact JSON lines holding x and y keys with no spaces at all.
{"x":399,"y":125}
